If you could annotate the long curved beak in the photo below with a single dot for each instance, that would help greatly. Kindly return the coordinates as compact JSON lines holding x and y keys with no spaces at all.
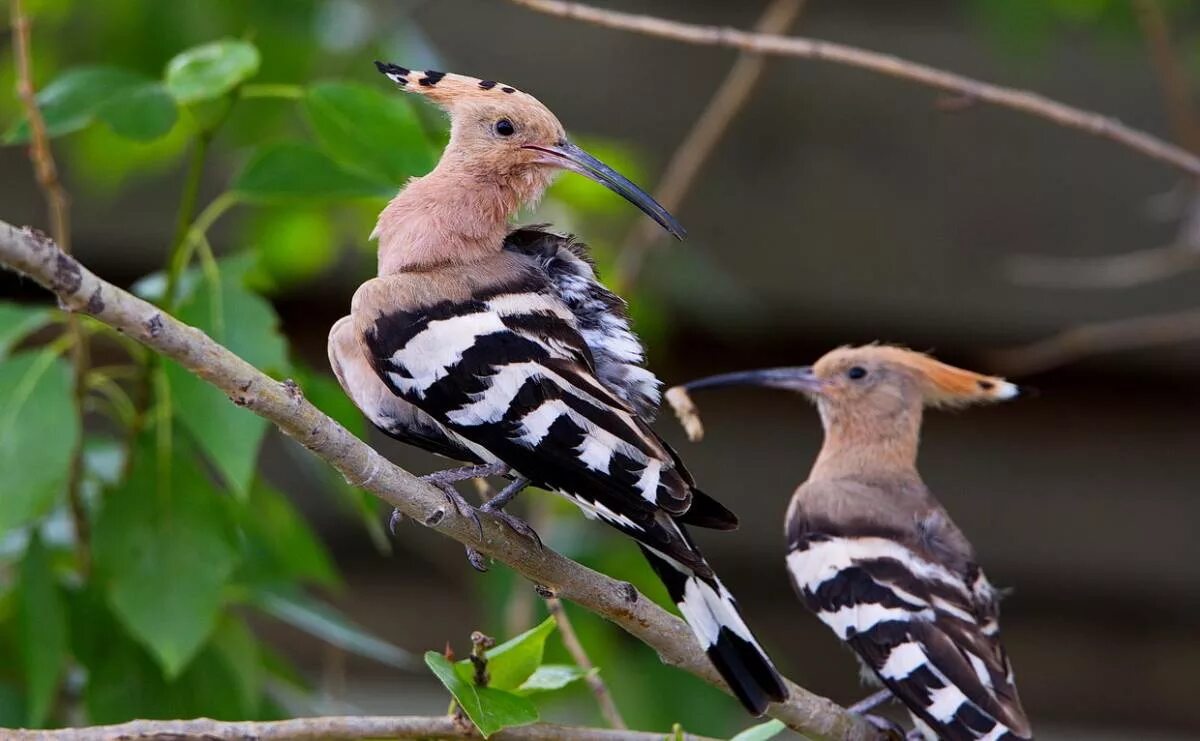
{"x":800,"y":379}
{"x":570,"y":157}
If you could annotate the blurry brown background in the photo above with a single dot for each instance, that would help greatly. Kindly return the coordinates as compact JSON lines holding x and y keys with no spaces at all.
{"x":847,"y":207}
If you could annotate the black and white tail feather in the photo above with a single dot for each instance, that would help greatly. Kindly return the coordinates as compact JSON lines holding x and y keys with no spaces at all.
{"x":928,"y":632}
{"x":540,"y":369}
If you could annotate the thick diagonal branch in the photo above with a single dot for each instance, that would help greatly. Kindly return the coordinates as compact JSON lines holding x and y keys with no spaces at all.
{"x":29,"y":252}
{"x":888,"y":65}
{"x":332,"y":728}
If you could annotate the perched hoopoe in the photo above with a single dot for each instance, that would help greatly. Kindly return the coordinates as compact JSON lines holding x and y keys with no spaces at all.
{"x":500,"y":348}
{"x":877,"y":558}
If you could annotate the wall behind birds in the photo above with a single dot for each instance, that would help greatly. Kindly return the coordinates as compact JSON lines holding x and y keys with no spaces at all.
{"x":840,"y":207}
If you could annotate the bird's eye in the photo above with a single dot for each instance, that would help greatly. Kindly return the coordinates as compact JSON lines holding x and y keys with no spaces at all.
{"x":504,"y":127}
{"x":856,"y":373}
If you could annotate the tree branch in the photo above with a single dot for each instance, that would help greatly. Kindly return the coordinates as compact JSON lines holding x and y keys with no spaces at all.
{"x":78,"y":289}
{"x":333,"y":728}
{"x":58,"y":202}
{"x":570,"y":639}
{"x":885,"y":64}
{"x":1086,"y":340}
{"x":702,"y":139}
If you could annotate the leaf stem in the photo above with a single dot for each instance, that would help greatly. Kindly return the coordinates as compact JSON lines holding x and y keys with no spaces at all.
{"x":187,"y":211}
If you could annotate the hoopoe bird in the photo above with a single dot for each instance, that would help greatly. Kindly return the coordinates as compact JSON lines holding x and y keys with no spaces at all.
{"x":877,"y":558}
{"x":499,"y":348}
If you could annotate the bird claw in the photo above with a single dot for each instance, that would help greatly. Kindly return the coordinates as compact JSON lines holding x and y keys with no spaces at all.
{"x":454,"y":499}
{"x":478,"y":561}
{"x":394,"y":521}
{"x":888,"y":728}
{"x":516,"y":524}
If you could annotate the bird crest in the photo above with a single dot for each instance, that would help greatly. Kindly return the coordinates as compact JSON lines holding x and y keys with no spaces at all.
{"x":446,"y":88}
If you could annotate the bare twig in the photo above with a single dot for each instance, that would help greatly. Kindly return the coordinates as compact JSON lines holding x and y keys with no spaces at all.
{"x":1139,"y":267}
{"x":1172,"y":75}
{"x":78,"y":289}
{"x":1087,"y":340}
{"x":566,"y":631}
{"x":58,"y":203}
{"x":884,"y":64}
{"x":702,"y":139}
{"x":333,"y":728}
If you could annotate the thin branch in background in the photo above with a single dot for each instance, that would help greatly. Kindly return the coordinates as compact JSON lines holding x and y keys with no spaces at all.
{"x":691,"y":154}
{"x":885,"y":64}
{"x":1139,"y":267}
{"x":570,"y":639}
{"x":332,"y":728}
{"x":1087,"y":340}
{"x":58,"y":203}
{"x":1172,"y":75}
{"x":78,"y":289}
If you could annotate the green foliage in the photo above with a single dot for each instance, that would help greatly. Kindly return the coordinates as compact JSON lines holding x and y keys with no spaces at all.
{"x":761,"y":732}
{"x":295,"y":171}
{"x":165,"y":548}
{"x":42,"y":626}
{"x":247,"y":325}
{"x":515,"y":660}
{"x":360,"y":126}
{"x":488,"y":708}
{"x":211,"y":70}
{"x":82,"y":96}
{"x":39,"y":429}
{"x":17,"y":322}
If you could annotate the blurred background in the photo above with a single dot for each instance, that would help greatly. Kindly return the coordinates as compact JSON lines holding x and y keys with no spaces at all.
{"x":837,"y":207}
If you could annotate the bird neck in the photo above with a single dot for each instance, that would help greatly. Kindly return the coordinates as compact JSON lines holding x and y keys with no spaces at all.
{"x":456,"y":215}
{"x":858,"y":443}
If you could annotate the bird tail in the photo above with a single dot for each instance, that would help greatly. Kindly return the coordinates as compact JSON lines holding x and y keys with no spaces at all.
{"x":713,"y":615}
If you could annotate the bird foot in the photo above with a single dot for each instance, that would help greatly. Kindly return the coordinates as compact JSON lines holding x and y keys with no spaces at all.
{"x":495,"y":506}
{"x":889,"y":729}
{"x":453,"y":498}
{"x":869,"y":703}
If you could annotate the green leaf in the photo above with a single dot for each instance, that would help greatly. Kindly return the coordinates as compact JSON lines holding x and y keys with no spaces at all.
{"x":238,"y":649}
{"x":18,"y":321}
{"x":278,"y":543}
{"x":321,"y":620}
{"x":291,"y":171}
{"x":166,"y":550}
{"x":550,"y":677}
{"x":39,"y":429}
{"x":210,"y":70}
{"x":72,"y":100}
{"x":293,"y":245}
{"x":141,"y":113}
{"x":370,"y":131}
{"x":42,"y":621}
{"x":247,"y":325}
{"x":515,"y":660}
{"x":761,"y":732}
{"x":488,"y":708}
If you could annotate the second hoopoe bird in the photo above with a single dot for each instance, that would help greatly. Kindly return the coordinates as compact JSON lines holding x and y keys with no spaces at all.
{"x":877,"y":558}
{"x":500,"y":348}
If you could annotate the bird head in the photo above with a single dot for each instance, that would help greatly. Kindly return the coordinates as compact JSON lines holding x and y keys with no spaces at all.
{"x":504,"y":136}
{"x":883,"y":378}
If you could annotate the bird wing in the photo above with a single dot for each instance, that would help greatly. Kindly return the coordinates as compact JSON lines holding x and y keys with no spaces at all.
{"x":599,"y":314}
{"x":928,"y":632}
{"x":389,"y":413}
{"x":503,"y":365}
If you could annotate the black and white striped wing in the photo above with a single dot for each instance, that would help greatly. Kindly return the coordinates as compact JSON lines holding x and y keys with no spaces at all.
{"x":510,"y":372}
{"x":930,"y":635}
{"x":600,"y":315}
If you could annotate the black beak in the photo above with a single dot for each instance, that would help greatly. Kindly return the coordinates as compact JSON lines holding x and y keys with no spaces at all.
{"x":570,"y":157}
{"x":800,"y":379}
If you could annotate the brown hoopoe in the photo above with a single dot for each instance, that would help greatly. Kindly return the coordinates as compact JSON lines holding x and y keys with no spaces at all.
{"x":877,"y":558}
{"x":500,"y":348}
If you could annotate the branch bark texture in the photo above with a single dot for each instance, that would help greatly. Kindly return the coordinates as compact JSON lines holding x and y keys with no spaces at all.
{"x":888,"y":65}
{"x":78,"y":289}
{"x":332,"y":728}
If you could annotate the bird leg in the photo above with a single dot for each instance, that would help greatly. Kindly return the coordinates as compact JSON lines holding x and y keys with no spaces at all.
{"x":495,"y":506}
{"x":444,"y":482}
{"x":863,"y":707}
{"x":869,"y":703}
